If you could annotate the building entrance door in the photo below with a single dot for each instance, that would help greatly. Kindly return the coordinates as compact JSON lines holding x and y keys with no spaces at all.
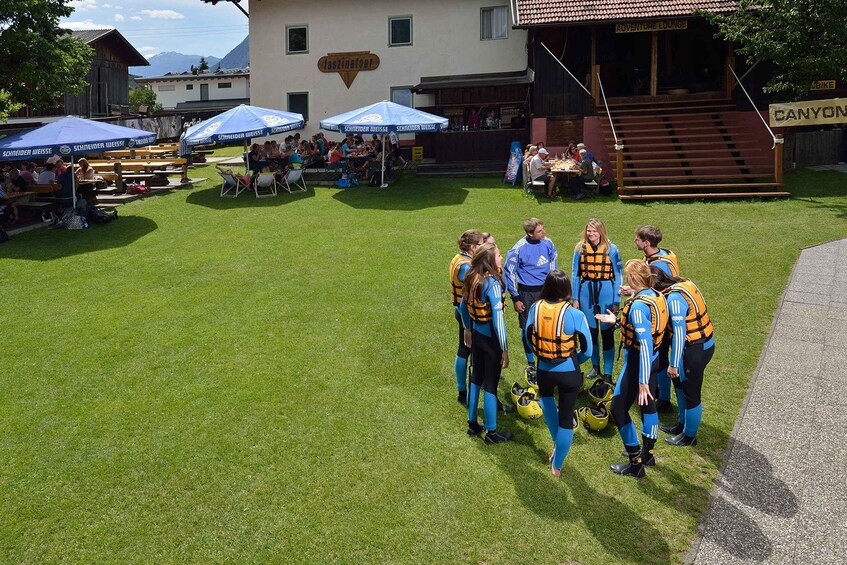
{"x":204,"y":92}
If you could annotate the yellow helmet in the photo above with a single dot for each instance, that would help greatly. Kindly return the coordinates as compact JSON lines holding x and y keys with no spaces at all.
{"x":518,"y":391}
{"x":600,"y":391}
{"x":594,"y":419}
{"x":528,"y":406}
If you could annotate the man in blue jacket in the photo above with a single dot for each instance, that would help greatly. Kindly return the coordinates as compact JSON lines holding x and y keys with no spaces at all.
{"x":527,"y":266}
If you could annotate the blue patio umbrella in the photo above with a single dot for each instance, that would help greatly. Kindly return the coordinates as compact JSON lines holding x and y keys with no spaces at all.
{"x":72,"y":136}
{"x":383,"y":118}
{"x":243,"y":122}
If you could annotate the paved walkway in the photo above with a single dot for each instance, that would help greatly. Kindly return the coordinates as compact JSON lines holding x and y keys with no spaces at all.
{"x":782,"y":495}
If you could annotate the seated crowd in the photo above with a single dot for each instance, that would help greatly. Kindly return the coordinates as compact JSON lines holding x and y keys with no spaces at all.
{"x":350,"y":155}
{"x":585,"y":168}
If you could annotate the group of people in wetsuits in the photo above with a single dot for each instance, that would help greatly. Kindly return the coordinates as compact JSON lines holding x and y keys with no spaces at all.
{"x":666,"y":334}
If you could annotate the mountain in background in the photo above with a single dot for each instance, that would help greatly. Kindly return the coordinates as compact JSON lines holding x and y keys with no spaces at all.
{"x":238,"y":58}
{"x":171,"y":62}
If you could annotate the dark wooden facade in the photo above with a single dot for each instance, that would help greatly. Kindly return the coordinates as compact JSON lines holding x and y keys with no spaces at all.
{"x":107,"y":80}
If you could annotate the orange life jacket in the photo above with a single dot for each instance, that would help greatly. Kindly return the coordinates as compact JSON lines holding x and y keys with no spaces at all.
{"x":698,"y":325}
{"x":668,"y":259}
{"x":547,"y":336}
{"x":595,"y":264}
{"x":480,"y":310}
{"x":455,"y":281}
{"x":658,"y":313}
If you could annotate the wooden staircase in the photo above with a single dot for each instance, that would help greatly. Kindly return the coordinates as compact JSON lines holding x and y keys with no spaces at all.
{"x":687,"y":149}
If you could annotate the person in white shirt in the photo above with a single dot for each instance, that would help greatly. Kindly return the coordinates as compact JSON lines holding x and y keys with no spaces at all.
{"x":538,"y":170}
{"x":46,"y":176}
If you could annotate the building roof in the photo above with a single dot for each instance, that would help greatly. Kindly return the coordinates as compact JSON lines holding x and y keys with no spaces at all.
{"x":554,"y":12}
{"x":212,"y":104}
{"x":468,"y":81}
{"x":116,"y":41}
{"x":190,"y":76}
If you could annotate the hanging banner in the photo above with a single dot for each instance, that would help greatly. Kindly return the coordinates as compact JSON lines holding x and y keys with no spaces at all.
{"x":640,"y":27}
{"x":513,"y":169}
{"x":812,"y":113}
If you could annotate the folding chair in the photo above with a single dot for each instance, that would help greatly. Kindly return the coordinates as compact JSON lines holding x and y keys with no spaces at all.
{"x":265,"y":185}
{"x":529,"y":184}
{"x":293,"y":181}
{"x":233,"y":184}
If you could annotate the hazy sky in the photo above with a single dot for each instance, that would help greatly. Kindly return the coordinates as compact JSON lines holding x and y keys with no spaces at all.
{"x":153,"y":26}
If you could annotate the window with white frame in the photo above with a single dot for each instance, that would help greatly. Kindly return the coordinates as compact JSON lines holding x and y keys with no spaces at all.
{"x":399,"y":31}
{"x":189,"y":87}
{"x":166,"y":87}
{"x":296,"y":39}
{"x":298,"y":102}
{"x":402,"y":95}
{"x":494,"y":23}
{"x":224,"y":85}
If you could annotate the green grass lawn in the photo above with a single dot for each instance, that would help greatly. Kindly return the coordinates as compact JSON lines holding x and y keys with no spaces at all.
{"x":272,"y":380}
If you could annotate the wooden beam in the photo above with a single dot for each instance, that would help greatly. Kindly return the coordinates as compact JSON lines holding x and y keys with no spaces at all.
{"x":777,"y":159}
{"x":654,"y":63}
{"x":595,"y":68}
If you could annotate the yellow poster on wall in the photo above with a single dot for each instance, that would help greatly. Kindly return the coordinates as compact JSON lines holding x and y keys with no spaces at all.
{"x":812,"y":113}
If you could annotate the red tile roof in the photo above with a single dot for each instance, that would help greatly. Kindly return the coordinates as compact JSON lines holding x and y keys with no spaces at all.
{"x":551,"y":12}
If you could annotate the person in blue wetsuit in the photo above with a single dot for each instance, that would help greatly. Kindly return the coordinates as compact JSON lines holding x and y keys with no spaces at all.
{"x":459,"y":265}
{"x":481,"y":309}
{"x":644,"y":318}
{"x":555,"y":330}
{"x":647,"y":240}
{"x":527,"y":265}
{"x":692,"y":347}
{"x":597,"y":280}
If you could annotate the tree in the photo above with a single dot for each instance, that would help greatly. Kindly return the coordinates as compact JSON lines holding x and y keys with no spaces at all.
{"x":203,"y":65}
{"x":806,"y":40}
{"x":144,"y":97}
{"x":39,"y":60}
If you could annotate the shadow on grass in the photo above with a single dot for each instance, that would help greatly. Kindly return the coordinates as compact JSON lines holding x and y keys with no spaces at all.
{"x":404,"y":196}
{"x":806,"y":183}
{"x":49,"y":244}
{"x":211,"y":198}
{"x":544,"y":495}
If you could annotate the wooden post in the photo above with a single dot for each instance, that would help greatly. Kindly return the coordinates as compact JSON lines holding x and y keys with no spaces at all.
{"x":777,"y":159}
{"x":619,"y":167}
{"x":119,"y":182}
{"x":654,"y":63}
{"x":729,"y":80}
{"x":595,"y":69}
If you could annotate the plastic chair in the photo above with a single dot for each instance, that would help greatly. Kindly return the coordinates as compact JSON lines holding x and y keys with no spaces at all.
{"x":293,"y":181}
{"x":265,"y":185}
{"x":530,"y":184}
{"x":233,"y":184}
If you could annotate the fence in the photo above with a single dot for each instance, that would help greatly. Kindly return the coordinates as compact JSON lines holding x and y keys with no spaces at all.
{"x":810,"y":148}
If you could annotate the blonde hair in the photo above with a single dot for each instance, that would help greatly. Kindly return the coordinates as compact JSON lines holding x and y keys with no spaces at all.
{"x":530,"y":224}
{"x":638,"y":274}
{"x":598,"y":225}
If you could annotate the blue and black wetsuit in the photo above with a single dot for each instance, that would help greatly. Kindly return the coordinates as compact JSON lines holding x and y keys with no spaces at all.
{"x":458,"y":268}
{"x":527,"y":265}
{"x":596,"y":280}
{"x":485,"y":315}
{"x":551,"y":332}
{"x":666,"y":260}
{"x":692,"y":347}
{"x":641,"y":326}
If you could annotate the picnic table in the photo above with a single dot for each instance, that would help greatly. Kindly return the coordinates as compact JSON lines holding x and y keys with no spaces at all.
{"x":134,"y":153}
{"x":153,"y":171}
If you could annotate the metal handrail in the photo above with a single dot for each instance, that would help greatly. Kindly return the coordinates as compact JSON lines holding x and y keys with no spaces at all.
{"x":776,"y":139}
{"x":618,"y":145}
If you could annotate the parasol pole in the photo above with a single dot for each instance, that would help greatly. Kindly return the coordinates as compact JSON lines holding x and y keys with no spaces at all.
{"x":383,"y":163}
{"x":246,"y":157}
{"x":73,"y":181}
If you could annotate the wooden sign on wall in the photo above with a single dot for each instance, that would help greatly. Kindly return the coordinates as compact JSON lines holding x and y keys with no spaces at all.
{"x":348,"y":64}
{"x":640,"y":27}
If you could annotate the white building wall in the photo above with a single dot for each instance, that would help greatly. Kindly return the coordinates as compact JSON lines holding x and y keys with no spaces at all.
{"x":170,"y":98}
{"x":445,"y":41}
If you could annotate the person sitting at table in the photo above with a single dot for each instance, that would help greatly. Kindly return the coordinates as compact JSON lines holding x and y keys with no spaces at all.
{"x":16,"y":183}
{"x":573,"y":152}
{"x":319,"y":144}
{"x":586,"y":174}
{"x":255,"y":160}
{"x":47,"y":174}
{"x":60,"y":167}
{"x":373,"y":163}
{"x":580,"y":147}
{"x":336,"y":162}
{"x":28,"y":173}
{"x":539,"y":170}
{"x":85,"y":173}
{"x":358,"y":140}
{"x":531,"y":151}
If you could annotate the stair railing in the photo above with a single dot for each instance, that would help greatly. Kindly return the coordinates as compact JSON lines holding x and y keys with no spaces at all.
{"x":778,"y":140}
{"x":618,"y":145}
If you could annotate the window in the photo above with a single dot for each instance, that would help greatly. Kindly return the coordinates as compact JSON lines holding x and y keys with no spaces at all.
{"x":166,"y":87}
{"x":402,"y":95}
{"x":400,"y":31}
{"x":296,"y":39}
{"x":224,"y":85}
{"x":189,"y":87}
{"x":298,"y":102}
{"x":494,"y":23}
